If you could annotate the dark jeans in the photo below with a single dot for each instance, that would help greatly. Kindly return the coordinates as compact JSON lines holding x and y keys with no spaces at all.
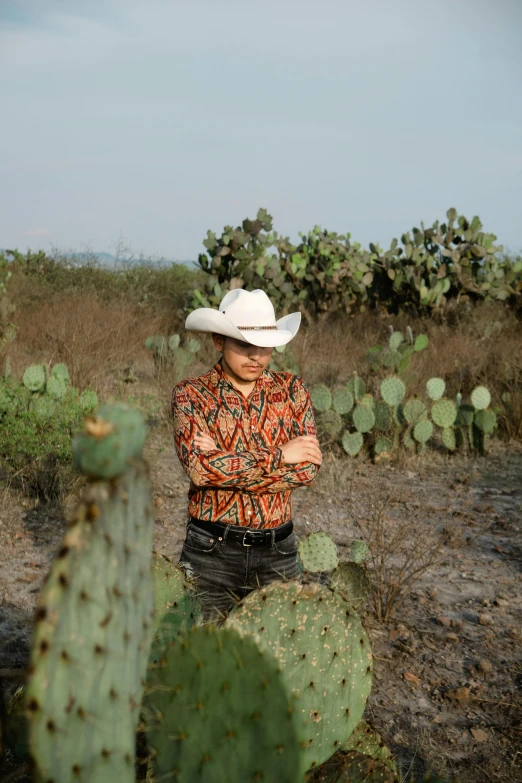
{"x":226,"y":571}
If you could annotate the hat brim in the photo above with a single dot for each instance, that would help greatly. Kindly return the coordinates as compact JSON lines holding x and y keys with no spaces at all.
{"x":205,"y":319}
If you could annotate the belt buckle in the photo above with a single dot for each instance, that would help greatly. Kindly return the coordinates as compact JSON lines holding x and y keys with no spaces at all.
{"x":252,"y":533}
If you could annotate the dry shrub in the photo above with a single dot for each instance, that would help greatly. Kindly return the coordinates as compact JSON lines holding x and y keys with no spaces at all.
{"x":93,"y":338}
{"x":404,"y":541}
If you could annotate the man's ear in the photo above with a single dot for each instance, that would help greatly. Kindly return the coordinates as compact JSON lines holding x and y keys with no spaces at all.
{"x":219,"y":341}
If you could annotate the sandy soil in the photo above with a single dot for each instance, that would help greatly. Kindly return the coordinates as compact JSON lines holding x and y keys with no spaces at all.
{"x":447,"y":691}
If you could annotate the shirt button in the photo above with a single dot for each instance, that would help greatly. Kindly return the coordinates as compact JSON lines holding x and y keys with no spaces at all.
{"x":249,"y":513}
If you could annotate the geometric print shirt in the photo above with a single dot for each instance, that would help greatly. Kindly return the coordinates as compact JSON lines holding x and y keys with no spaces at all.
{"x":244,"y":481}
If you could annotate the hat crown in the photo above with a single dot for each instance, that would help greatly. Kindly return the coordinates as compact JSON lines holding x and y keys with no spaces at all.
{"x":248,"y":308}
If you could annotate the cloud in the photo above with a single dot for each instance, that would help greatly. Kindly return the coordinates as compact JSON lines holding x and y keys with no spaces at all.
{"x":37,"y":232}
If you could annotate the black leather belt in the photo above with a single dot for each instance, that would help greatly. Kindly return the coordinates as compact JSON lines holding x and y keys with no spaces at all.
{"x":245,"y":535}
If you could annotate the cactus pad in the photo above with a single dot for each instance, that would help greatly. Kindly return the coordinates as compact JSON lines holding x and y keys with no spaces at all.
{"x":174,"y":341}
{"x":421,"y":343}
{"x":423,"y":431}
{"x":318,"y":553}
{"x":342,"y":401}
{"x":88,"y":400}
{"x":382,"y":416}
{"x":363,"y":418}
{"x":367,"y":399}
{"x":60,"y":371}
{"x":396,"y":339}
{"x":383,"y":446}
{"x":393,"y":391}
{"x":480,"y":398}
{"x":92,"y":635}
{"x":444,"y":412}
{"x":367,"y":741}
{"x":329,"y":423}
{"x":356,"y":387}
{"x":352,"y":443}
{"x":414,"y":410}
{"x":359,"y":551}
{"x":448,"y":438}
{"x":34,"y":377}
{"x":485,"y":421}
{"x":113,"y":437}
{"x":176,"y":605}
{"x":218,"y":710}
{"x":321,"y":398}
{"x":435,"y":388}
{"x":324,"y":653}
{"x":56,"y":387}
{"x":352,"y":582}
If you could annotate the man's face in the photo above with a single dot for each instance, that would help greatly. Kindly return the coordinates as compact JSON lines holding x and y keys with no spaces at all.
{"x":242,"y":360}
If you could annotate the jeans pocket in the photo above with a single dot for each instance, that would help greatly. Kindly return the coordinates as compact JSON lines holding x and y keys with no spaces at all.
{"x":200,"y":540}
{"x":288,"y":546}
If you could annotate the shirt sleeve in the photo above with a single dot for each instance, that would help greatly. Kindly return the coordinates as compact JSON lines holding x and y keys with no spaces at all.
{"x":226,"y":469}
{"x":303,"y":473}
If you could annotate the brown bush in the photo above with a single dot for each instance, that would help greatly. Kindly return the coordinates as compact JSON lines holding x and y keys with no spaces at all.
{"x":93,"y":338}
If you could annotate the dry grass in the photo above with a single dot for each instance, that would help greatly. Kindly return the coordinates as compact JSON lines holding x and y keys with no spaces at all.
{"x":403,"y":541}
{"x":94,"y":339}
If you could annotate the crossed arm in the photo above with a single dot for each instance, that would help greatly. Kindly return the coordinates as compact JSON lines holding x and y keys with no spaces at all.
{"x":259,"y":469}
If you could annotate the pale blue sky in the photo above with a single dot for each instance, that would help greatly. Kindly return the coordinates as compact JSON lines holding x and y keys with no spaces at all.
{"x":158,"y":120}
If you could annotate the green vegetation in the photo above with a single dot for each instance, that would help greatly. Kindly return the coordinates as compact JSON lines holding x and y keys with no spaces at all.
{"x":452,"y":261}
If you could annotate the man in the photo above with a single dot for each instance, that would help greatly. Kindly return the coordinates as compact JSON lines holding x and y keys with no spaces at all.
{"x":246,"y":438}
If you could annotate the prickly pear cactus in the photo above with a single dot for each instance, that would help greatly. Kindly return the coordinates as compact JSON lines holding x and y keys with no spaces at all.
{"x":113,"y":437}
{"x":324,"y":654}
{"x":321,"y":398}
{"x":352,"y":582}
{"x":34,"y":377}
{"x":444,"y":412}
{"x":329,"y":424}
{"x":393,"y":391}
{"x":367,"y":741}
{"x":92,"y":635}
{"x":480,"y":398}
{"x":359,"y":551}
{"x":176,"y":605}
{"x":435,"y":388}
{"x":352,"y":443}
{"x":352,"y":767}
{"x":217,"y":710}
{"x":363,"y":418}
{"x":342,"y":400}
{"x":318,"y":553}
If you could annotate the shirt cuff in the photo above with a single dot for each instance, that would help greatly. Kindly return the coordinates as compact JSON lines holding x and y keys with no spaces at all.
{"x":272,"y":459}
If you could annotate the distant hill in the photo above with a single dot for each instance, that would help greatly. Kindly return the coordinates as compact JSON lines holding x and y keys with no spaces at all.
{"x":108,"y":260}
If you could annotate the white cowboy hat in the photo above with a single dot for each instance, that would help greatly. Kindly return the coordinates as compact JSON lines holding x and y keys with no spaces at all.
{"x":247,"y":316}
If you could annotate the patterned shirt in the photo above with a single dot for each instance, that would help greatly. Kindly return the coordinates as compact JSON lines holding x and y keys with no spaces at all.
{"x":245,"y":481}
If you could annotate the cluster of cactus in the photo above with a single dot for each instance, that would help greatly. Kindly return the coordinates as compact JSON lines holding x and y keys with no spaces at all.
{"x":453,"y":260}
{"x":41,"y":390}
{"x":275,"y":690}
{"x":168,"y":351}
{"x":351,"y":416}
{"x":284,"y":359}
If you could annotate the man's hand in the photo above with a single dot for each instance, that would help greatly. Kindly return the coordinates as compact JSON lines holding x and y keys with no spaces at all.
{"x":305,"y":448}
{"x":204,"y":442}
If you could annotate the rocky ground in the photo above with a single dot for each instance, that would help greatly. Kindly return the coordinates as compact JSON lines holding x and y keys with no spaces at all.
{"x":447,"y":691}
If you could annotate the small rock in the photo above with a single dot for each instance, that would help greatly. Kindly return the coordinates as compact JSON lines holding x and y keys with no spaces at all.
{"x":452,"y":637}
{"x":485,"y":619}
{"x":410,"y":677}
{"x":444,"y":621}
{"x":460,"y":695}
{"x":501,"y":601}
{"x":457,"y":624}
{"x":479,"y":735}
{"x":485,"y":666}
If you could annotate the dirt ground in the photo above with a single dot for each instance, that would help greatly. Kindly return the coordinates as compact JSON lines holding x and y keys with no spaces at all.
{"x":447,"y":691}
